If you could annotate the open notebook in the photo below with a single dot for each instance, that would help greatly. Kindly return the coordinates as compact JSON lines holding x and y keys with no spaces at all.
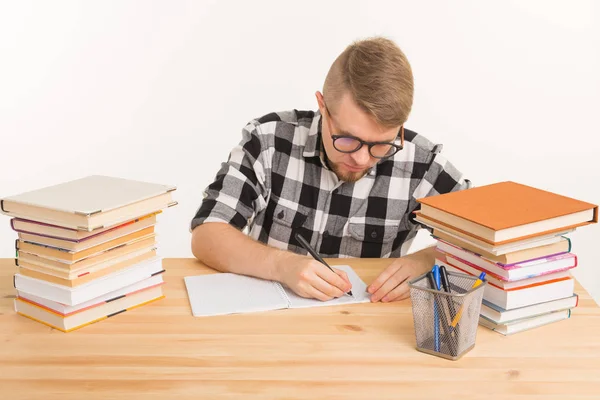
{"x":227,"y":293}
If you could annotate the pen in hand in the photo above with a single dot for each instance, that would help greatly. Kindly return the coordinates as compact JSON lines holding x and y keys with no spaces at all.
{"x":313,"y":253}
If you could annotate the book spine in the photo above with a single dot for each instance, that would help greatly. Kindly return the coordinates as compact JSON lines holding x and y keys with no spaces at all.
{"x":550,"y":257}
{"x":30,"y":221}
{"x":569,"y":240}
{"x":48,"y":236}
{"x":547,"y":259}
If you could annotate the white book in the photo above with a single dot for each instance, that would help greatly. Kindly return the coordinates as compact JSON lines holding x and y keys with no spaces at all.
{"x":526,"y":323}
{"x":98,"y":287}
{"x":67,"y":323}
{"x":509,"y":299}
{"x":89,"y":203}
{"x":227,"y":293}
{"x":61,"y":308}
{"x":525,"y":296}
{"x":501,"y":316}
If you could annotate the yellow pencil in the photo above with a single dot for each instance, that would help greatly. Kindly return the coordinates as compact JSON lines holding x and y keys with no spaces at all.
{"x":478,"y":282}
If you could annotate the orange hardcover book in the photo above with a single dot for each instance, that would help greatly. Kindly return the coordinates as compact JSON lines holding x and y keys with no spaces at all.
{"x":90,"y":276}
{"x":75,"y":256}
{"x":93,"y":262}
{"x":506,"y":212}
{"x":87,"y":242}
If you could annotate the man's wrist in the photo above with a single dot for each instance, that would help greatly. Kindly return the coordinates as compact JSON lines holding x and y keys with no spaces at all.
{"x":425,"y":256}
{"x":279,"y":261}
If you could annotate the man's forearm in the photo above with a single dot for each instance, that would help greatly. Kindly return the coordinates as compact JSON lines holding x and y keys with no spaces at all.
{"x":426,"y":256}
{"x":226,"y":249}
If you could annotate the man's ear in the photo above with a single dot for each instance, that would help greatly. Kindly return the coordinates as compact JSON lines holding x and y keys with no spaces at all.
{"x":320,"y":101}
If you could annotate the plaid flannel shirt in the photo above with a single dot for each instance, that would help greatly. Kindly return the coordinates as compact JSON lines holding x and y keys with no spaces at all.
{"x":276,"y":183}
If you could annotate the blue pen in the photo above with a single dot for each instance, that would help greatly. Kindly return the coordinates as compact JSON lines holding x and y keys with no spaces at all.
{"x":436,"y":322}
{"x":436,"y":326}
{"x":437,"y":277}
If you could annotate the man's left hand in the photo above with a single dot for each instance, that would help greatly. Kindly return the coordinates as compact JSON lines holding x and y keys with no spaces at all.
{"x":392,"y":283}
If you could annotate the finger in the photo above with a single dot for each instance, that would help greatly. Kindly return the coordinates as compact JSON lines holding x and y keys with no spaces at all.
{"x":383,"y":277}
{"x":314,"y":293}
{"x":400,"y":292}
{"x":344,"y":276}
{"x":325,"y":287}
{"x":389,"y":285}
{"x":310,"y":278}
{"x":332,"y":278}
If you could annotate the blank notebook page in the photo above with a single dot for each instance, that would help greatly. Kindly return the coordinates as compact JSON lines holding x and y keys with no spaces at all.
{"x":226,"y":293}
{"x":359,"y":293}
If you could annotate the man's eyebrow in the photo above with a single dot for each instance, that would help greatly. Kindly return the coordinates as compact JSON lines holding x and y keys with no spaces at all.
{"x":346,"y":133}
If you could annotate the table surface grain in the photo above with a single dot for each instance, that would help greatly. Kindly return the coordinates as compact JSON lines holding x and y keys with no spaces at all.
{"x":367,"y":351}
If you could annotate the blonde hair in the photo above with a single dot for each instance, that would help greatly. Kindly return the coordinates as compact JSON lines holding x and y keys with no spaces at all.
{"x":378,"y":76}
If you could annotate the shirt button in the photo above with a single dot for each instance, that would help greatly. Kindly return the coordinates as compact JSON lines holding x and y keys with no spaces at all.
{"x":374,"y":235}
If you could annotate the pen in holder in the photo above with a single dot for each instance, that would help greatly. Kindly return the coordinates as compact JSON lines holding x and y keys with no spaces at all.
{"x":446,"y":312}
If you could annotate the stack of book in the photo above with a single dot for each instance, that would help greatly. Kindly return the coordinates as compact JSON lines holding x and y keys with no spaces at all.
{"x":86,"y":249}
{"x":516,"y":235}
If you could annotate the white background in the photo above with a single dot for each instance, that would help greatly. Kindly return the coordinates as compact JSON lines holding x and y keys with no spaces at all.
{"x":159,"y":91}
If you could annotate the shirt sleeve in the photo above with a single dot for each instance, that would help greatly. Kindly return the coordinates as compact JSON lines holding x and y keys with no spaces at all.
{"x":441,"y":177}
{"x":240,"y":188}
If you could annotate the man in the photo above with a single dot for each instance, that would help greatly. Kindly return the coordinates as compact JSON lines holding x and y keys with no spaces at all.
{"x":345,"y":177}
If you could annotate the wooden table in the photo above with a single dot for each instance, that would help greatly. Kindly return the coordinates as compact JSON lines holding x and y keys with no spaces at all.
{"x":366,"y":351}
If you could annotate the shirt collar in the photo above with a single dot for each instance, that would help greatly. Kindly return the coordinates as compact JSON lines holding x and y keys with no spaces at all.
{"x":312,"y":147}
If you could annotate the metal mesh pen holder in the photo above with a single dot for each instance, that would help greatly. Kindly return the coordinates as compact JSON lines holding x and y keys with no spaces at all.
{"x":446,"y":322}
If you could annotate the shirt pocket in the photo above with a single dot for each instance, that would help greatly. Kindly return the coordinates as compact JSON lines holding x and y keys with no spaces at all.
{"x":288,"y":221}
{"x":371,"y":238}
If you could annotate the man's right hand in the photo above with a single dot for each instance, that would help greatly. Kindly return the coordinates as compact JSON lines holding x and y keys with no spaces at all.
{"x":309,"y":278}
{"x":224,"y":248}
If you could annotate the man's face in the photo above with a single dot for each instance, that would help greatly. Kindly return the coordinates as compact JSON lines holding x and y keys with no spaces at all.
{"x":349,"y":120}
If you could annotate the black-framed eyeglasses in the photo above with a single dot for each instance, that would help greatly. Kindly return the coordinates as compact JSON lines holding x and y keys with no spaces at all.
{"x":351,"y":144}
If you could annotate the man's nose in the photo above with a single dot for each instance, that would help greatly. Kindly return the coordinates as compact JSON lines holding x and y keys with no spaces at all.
{"x":362,"y":156}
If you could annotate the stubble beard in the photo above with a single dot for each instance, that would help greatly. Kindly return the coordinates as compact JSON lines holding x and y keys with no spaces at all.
{"x":347,"y":176}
